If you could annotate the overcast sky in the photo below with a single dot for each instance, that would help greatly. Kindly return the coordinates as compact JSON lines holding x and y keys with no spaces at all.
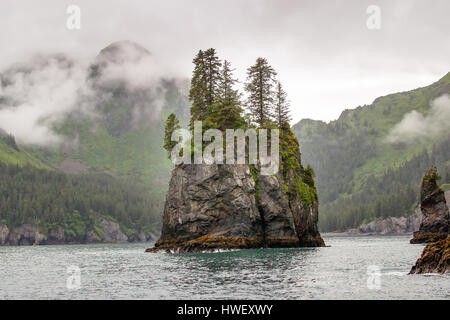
{"x":324,"y":53}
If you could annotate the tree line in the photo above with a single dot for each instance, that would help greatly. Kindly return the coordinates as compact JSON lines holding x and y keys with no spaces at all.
{"x":218,"y":104}
{"x":48,"y":198}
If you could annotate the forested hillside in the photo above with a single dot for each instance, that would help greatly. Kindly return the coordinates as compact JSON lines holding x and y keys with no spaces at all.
{"x":369,"y":162}
{"x":108,"y":157}
{"x":51,"y":199}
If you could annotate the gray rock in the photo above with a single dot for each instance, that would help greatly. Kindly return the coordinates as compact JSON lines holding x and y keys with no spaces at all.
{"x":56,"y":236}
{"x":212,"y":207}
{"x":4,"y":233}
{"x":112,"y":231}
{"x":213,"y":200}
{"x":390,"y":226}
{"x":26,"y":234}
{"x":278,"y":217}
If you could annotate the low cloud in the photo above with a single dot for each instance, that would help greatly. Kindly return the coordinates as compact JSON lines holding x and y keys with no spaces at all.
{"x":40,"y":92}
{"x":37,"y":93}
{"x":415,"y":125}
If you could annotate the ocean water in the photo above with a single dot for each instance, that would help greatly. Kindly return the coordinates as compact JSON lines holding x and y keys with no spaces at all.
{"x":350,"y":268}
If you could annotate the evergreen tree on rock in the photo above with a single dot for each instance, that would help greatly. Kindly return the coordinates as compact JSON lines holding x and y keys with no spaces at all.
{"x":260,"y":88}
{"x":282,"y":112}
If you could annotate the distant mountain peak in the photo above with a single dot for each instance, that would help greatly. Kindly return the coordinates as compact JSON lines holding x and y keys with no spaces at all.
{"x":123,"y":51}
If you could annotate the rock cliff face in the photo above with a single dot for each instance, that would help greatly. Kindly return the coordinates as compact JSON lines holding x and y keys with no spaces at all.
{"x":28,"y":234}
{"x":390,"y":226}
{"x":435,"y":258}
{"x":4,"y":233}
{"x":211,"y":207}
{"x":435,"y":212}
{"x":25,"y":234}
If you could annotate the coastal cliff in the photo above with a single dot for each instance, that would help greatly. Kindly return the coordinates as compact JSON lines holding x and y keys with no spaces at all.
{"x":435,"y":212}
{"x":390,"y":226}
{"x":104,"y":231}
{"x":211,"y":207}
{"x":219,"y":206}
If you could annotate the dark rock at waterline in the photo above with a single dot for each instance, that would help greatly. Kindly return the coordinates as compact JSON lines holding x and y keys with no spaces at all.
{"x":211,"y":207}
{"x":435,"y":258}
{"x":435,"y":211}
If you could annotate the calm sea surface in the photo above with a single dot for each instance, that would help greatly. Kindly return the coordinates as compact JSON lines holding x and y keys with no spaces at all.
{"x":351,"y":268}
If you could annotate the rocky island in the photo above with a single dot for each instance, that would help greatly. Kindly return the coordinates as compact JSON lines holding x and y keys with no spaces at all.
{"x":235,"y":206}
{"x":434,"y":228}
{"x":435,"y":213}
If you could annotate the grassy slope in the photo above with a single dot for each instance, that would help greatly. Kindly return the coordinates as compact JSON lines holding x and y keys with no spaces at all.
{"x":19,"y":157}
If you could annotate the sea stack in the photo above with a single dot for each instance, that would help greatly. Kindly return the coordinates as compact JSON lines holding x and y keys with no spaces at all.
{"x":435,"y":211}
{"x":251,"y":199}
{"x":219,"y":206}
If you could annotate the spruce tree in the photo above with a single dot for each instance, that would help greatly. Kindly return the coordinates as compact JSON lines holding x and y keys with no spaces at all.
{"x":212,"y":76}
{"x":204,"y":84}
{"x":228,"y":110}
{"x":260,"y":88}
{"x":281,"y":112}
{"x":199,"y":106}
{"x":172,"y":124}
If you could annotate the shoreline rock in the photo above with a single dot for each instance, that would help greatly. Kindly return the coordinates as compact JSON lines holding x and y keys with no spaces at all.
{"x":390,"y":226}
{"x":435,"y":258}
{"x":28,"y":234}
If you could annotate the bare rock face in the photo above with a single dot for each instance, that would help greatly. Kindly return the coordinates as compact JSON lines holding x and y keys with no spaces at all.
{"x":112,"y":232}
{"x":435,"y":212}
{"x":4,"y":232}
{"x":435,"y":258}
{"x":211,"y":207}
{"x":109,"y":232}
{"x":390,"y":225}
{"x":26,"y":234}
{"x":56,"y":236}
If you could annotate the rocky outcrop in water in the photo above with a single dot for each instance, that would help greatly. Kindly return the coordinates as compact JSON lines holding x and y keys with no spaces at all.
{"x":435,"y":212}
{"x":435,"y":258}
{"x":211,"y":207}
{"x":390,"y":226}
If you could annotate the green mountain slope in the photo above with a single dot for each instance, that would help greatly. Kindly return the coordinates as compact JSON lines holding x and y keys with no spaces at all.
{"x":12,"y":154}
{"x":121,"y":136}
{"x":356,"y":161}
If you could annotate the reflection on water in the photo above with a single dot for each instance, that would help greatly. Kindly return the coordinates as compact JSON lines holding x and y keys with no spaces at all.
{"x":125,"y":271}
